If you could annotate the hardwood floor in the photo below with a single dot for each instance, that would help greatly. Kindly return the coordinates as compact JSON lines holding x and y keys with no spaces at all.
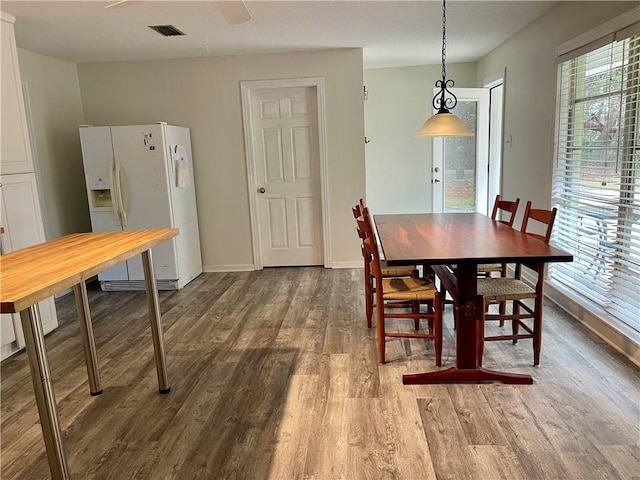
{"x":274,"y":376}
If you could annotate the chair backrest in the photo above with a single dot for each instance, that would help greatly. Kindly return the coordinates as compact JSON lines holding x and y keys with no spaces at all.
{"x":369,"y":245}
{"x":358,"y":208}
{"x":545,"y":217}
{"x":501,"y":205}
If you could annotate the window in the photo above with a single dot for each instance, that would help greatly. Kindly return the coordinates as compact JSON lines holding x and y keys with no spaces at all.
{"x":596,"y":176}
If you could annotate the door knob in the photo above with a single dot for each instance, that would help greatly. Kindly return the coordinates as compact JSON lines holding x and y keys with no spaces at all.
{"x":261,"y":190}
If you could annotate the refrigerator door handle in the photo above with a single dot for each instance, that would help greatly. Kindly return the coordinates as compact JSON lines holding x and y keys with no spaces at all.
{"x":114,"y":190}
{"x":123,"y":213}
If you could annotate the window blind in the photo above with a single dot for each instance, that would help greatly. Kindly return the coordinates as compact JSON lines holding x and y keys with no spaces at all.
{"x":596,"y":177}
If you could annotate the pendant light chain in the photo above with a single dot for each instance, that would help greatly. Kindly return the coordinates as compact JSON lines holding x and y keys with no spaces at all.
{"x":444,"y":99}
{"x":444,"y":123}
{"x":444,"y":39}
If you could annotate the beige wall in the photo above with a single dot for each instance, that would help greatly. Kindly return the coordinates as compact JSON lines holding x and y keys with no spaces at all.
{"x":56,"y":111}
{"x":398,"y":165}
{"x":204,"y":94}
{"x":529,"y":100}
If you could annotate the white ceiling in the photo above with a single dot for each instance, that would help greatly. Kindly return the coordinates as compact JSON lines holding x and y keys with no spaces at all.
{"x":392,"y":33}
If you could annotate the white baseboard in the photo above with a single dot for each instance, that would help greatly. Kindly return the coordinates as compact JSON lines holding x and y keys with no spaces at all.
{"x":242,"y":267}
{"x":346,"y":264}
{"x":235,"y":267}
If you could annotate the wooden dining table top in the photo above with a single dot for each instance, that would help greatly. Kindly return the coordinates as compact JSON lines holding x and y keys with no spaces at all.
{"x":444,"y":238}
{"x":32,"y":274}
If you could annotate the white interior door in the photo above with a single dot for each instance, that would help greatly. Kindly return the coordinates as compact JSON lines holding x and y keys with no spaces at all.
{"x":287,"y":174}
{"x":460,"y":171}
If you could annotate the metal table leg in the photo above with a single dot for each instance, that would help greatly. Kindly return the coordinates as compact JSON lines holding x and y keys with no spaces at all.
{"x":88,"y":342}
{"x":45,"y":397}
{"x":156,"y":323}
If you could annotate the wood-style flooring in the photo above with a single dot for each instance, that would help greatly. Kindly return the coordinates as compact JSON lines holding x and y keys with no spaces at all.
{"x":274,"y":376}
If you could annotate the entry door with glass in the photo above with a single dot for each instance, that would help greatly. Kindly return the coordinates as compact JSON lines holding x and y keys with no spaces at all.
{"x":460,"y":171}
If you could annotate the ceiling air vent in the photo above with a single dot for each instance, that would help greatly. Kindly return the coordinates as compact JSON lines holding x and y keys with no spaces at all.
{"x":166,"y":30}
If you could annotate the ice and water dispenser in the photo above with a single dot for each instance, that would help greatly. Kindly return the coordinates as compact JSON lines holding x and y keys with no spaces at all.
{"x":100,"y":193}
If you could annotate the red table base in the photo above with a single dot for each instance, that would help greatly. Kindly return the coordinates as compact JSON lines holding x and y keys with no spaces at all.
{"x":458,"y":375}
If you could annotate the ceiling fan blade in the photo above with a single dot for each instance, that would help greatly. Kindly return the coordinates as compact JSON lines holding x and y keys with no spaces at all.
{"x":121,"y":4}
{"x":234,"y":11}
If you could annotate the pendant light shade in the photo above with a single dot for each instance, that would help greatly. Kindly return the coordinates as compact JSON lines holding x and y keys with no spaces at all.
{"x":444,"y":123}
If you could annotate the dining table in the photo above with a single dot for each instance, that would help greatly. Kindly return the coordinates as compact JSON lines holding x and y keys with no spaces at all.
{"x":465,"y":240}
{"x":32,"y":274}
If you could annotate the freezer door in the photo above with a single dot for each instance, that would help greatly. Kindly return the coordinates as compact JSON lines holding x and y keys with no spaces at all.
{"x":97,"y":155}
{"x":144,"y":185}
{"x":97,"y":149}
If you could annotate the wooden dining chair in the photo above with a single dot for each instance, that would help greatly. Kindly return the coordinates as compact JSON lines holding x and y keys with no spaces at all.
{"x":516,"y":291}
{"x":410,"y":292}
{"x":500,"y":206}
{"x":369,"y":281}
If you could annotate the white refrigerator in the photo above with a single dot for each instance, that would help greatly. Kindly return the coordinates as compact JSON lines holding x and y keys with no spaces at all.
{"x":140,"y":177}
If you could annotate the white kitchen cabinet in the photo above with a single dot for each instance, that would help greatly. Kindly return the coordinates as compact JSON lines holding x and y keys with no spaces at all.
{"x":14,"y":135}
{"x":22,"y":223}
{"x":20,"y":215}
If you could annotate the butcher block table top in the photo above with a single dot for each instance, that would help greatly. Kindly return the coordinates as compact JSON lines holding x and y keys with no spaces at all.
{"x":32,"y":274}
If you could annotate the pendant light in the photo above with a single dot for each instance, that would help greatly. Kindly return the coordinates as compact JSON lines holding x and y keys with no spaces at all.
{"x":444,"y":123}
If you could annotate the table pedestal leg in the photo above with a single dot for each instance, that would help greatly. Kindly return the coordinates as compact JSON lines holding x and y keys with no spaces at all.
{"x":468,"y":332}
{"x":156,"y":324}
{"x":88,"y":342}
{"x":45,"y":397}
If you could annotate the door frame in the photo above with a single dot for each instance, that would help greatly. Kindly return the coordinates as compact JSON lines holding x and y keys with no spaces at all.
{"x":248,"y":88}
{"x":481,"y":136}
{"x":497,"y":139}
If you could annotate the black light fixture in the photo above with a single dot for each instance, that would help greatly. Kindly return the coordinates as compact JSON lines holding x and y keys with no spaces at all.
{"x":444,"y":123}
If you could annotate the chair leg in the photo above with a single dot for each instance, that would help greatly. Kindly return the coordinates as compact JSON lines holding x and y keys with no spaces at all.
{"x":430,"y":311}
{"x":537,"y":331}
{"x":515,"y":324}
{"x":503,"y":305}
{"x":380,"y":331}
{"x":368,"y":295}
{"x":503,"y":310}
{"x":437,"y":326}
{"x":480,"y":341}
{"x":415,"y":309}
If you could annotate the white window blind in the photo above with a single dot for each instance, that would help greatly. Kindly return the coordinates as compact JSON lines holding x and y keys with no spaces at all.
{"x":596,"y":178}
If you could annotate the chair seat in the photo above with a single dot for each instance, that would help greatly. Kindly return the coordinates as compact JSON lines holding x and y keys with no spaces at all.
{"x":408,"y":288}
{"x":490,"y":267}
{"x":502,"y":289}
{"x":399,"y":271}
{"x":483,"y":268}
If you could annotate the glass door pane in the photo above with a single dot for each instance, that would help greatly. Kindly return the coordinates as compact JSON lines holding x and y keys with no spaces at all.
{"x":460,"y":163}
